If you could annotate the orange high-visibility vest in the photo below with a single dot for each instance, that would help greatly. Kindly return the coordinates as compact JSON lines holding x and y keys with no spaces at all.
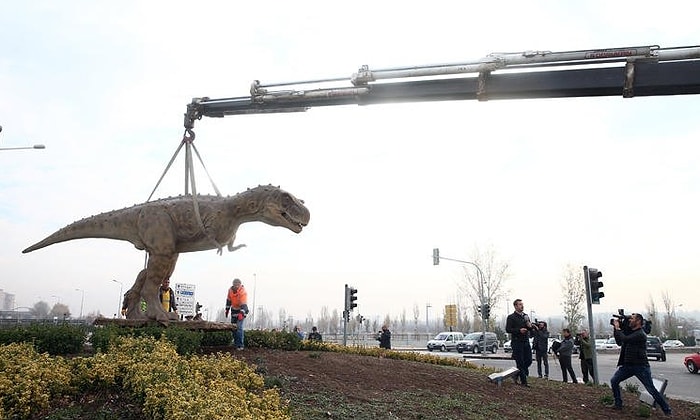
{"x":236,"y":299}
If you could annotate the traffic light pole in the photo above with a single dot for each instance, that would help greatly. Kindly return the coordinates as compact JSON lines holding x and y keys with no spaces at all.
{"x":436,"y":261}
{"x":591,"y":336}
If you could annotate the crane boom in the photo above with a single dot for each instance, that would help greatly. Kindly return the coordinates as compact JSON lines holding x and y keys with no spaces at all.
{"x":627,"y":72}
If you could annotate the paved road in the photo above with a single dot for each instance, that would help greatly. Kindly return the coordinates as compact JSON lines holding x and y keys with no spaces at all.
{"x":681,"y":384}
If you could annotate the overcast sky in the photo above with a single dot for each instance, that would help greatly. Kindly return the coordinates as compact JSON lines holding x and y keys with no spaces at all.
{"x":608,"y":182}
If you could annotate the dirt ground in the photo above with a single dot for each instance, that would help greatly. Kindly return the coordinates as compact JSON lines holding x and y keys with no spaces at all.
{"x":336,"y":385}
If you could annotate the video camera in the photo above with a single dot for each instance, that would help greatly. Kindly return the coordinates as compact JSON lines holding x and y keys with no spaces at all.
{"x":625,"y":322}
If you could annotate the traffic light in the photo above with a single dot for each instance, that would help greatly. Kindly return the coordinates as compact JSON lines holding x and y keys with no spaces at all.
{"x":595,"y":285}
{"x":353,"y":298}
{"x":350,"y":298}
{"x":436,"y":256}
{"x":479,"y":308}
{"x":487,"y":311}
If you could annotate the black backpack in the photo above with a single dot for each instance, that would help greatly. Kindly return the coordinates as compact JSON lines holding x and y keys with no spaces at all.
{"x":555,"y":346}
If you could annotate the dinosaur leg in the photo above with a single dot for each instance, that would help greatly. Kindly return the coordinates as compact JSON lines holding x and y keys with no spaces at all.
{"x":158,"y":268}
{"x":133,"y":298}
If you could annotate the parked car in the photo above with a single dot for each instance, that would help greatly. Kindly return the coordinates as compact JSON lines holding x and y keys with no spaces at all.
{"x":600,"y":343}
{"x":611,"y":344}
{"x":655,"y":348}
{"x":474,"y":342}
{"x":507,"y":348}
{"x":668,"y":344}
{"x":445,"y":341}
{"x":692,"y":362}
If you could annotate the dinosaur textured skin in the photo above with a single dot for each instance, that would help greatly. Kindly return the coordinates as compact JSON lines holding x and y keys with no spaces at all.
{"x":167,"y":227}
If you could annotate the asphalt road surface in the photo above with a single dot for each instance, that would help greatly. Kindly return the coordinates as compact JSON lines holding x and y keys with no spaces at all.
{"x":681,"y":384}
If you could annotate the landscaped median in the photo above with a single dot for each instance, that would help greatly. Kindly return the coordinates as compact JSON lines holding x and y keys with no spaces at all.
{"x":167,"y":385}
{"x":159,"y":378}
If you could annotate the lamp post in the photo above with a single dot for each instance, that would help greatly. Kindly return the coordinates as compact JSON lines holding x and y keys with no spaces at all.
{"x":36,"y":146}
{"x":427,"y":325}
{"x":482,"y":283}
{"x":82,"y":299}
{"x":119,"y":305}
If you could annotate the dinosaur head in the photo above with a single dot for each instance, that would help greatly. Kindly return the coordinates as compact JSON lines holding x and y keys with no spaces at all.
{"x":277,"y":207}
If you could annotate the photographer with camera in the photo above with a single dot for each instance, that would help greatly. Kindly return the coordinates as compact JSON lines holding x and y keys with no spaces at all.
{"x":518,"y":325}
{"x":384,"y":338}
{"x":541,"y":345}
{"x":583,"y":341}
{"x":564,"y":353}
{"x":631,"y":336}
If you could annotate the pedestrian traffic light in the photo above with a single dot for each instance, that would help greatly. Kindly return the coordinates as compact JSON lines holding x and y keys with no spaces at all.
{"x":436,"y":256}
{"x":595,"y":285}
{"x":487,"y":311}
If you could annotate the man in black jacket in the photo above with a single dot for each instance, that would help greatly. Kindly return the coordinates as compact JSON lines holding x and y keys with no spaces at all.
{"x":633,"y":361}
{"x":541,"y":345}
{"x":518,"y":326}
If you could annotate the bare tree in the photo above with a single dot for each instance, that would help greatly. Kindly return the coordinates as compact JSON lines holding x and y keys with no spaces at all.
{"x":670,"y":309}
{"x":496,"y":273}
{"x":574,"y":297}
{"x":282,"y":319}
{"x":324,"y":320}
{"x":402,"y":320}
{"x":652,"y":315}
{"x":416,"y":315}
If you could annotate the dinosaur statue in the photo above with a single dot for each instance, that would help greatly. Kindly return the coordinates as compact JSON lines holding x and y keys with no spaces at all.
{"x":164,"y":228}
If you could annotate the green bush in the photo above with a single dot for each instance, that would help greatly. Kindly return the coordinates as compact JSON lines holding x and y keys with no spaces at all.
{"x":185,"y":341}
{"x":216,"y":338}
{"x":272,"y":339}
{"x":55,"y":339}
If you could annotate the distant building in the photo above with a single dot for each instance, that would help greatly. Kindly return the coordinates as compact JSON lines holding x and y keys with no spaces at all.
{"x":7,"y":301}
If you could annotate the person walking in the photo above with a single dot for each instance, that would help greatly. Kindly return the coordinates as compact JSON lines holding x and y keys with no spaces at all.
{"x":237,"y":304}
{"x":540,"y":343}
{"x":585,"y":353}
{"x":518,"y":325}
{"x":633,"y":361}
{"x":564,"y":353}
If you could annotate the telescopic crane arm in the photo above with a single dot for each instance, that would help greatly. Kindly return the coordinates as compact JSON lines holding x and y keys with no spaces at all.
{"x":629,"y":72}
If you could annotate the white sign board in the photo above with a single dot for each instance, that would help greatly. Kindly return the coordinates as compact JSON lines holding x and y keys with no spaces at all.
{"x":184,"y":298}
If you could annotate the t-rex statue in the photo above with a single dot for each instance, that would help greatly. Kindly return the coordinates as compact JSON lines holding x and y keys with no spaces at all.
{"x":169,"y":226}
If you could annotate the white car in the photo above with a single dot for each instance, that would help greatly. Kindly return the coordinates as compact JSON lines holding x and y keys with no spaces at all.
{"x":610,"y":344}
{"x":445,"y":341}
{"x":507,"y":348}
{"x":599,"y":343}
{"x":673,"y":344}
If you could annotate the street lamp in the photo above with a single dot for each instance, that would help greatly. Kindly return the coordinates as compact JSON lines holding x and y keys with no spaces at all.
{"x":119,"y":305}
{"x":427,"y":329}
{"x":36,"y":146}
{"x":482,"y":284}
{"x":82,"y":299}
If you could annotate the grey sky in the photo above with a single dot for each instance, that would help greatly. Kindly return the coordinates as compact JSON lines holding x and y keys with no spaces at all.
{"x":104,"y":86}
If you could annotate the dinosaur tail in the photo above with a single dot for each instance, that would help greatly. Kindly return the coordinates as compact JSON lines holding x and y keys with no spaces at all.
{"x":106,"y":225}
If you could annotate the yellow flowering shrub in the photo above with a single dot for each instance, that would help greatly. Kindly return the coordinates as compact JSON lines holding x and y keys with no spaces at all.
{"x":175,"y":387}
{"x":29,"y":380}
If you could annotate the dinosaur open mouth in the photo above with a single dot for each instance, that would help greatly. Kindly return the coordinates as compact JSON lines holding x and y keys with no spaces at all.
{"x":295,"y":223}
